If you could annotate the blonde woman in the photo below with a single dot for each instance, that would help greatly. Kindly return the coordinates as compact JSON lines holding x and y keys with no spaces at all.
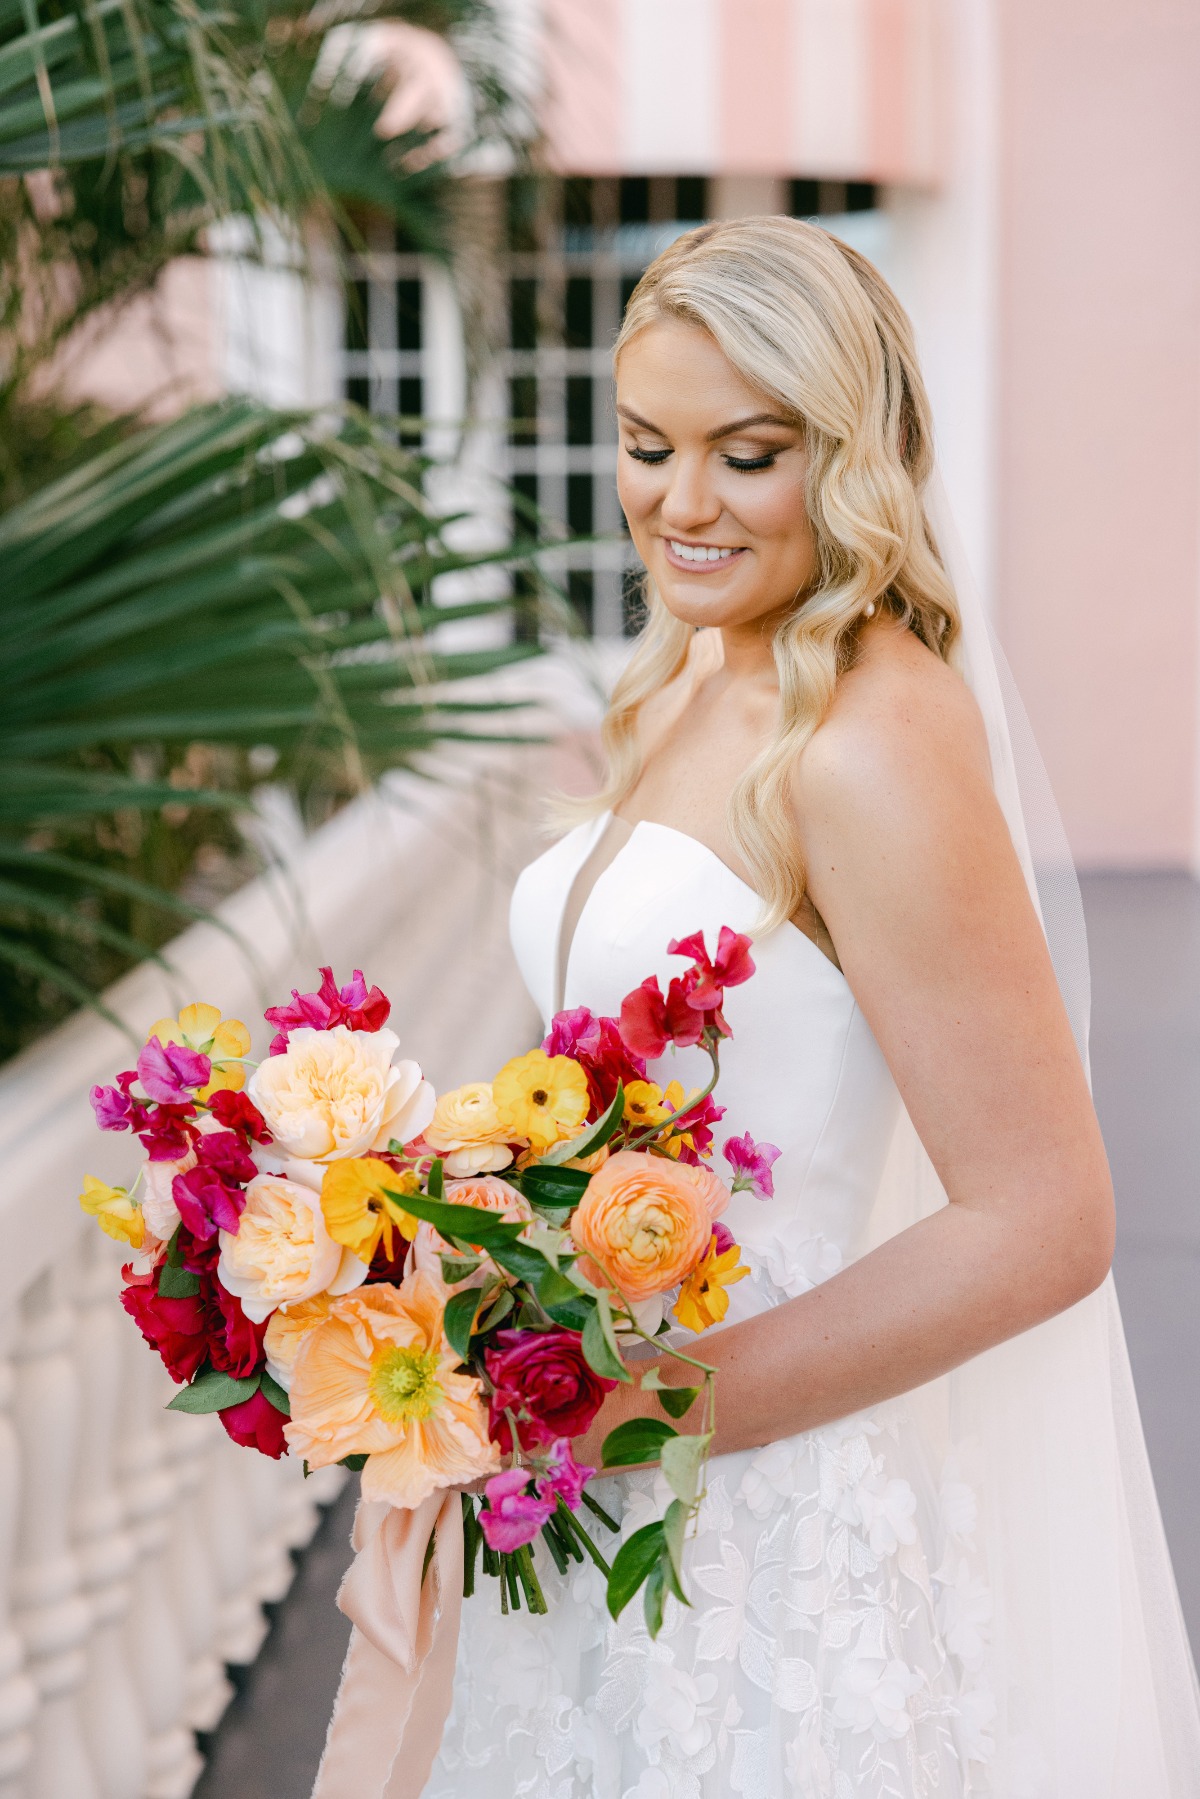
{"x":929,"y":1560}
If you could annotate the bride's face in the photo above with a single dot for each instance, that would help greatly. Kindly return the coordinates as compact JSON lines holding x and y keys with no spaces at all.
{"x":711,"y":477}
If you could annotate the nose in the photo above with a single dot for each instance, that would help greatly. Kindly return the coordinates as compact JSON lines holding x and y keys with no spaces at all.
{"x":690,"y":502}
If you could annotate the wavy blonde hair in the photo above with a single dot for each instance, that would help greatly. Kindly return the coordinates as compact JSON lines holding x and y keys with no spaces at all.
{"x":809,"y":322}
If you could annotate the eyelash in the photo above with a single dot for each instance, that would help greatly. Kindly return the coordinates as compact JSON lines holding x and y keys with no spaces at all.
{"x":744,"y":465}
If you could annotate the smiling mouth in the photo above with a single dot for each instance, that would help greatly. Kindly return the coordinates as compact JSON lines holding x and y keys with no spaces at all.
{"x":699,"y":555}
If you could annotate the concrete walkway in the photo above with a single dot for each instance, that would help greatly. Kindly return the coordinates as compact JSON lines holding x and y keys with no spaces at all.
{"x":1145,"y":942}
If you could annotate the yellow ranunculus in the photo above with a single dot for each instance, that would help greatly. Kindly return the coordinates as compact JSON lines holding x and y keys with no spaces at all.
{"x":376,"y":1377}
{"x":541,"y":1098}
{"x":466,"y":1131}
{"x":644,"y":1104}
{"x":203,"y":1029}
{"x":113,"y":1211}
{"x":357,"y":1206}
{"x":702,"y":1298}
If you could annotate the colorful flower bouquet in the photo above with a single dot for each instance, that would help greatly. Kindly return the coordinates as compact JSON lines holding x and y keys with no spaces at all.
{"x":439,"y":1292}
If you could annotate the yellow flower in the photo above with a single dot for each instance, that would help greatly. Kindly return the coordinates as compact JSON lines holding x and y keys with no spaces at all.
{"x":466,"y":1131}
{"x":541,"y":1098}
{"x":377,"y":1378}
{"x":358,"y":1209}
{"x":113,"y":1211}
{"x":202,"y":1028}
{"x":644,"y":1103}
{"x":702,"y":1298}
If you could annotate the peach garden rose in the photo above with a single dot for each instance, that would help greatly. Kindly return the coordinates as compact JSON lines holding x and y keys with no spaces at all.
{"x":644,"y":1222}
{"x":338,"y":1093}
{"x":466,"y":1131}
{"x":281,"y":1250}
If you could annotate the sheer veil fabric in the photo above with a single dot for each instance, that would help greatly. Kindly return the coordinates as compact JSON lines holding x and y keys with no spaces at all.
{"x":1094,"y":1682}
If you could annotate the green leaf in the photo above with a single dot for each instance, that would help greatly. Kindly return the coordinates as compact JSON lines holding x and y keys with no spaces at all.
{"x":675,"y":1521}
{"x":654,"y":1595}
{"x":356,"y":1463}
{"x":557,"y":1289}
{"x":436,"y":1184}
{"x":462,"y":1224}
{"x":639,"y":1440}
{"x":459,"y":1319}
{"x":675,"y":1401}
{"x":599,"y":1346}
{"x":500,"y":1307}
{"x":554,"y":1189}
{"x":593,"y":1138}
{"x":213,"y":1392}
{"x":631,"y":1565}
{"x":177,"y":1282}
{"x":456,"y":1268}
{"x":682,"y":1459}
{"x":278,"y":1396}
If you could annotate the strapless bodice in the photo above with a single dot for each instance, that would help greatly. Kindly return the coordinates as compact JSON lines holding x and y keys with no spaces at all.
{"x":802,"y":1070}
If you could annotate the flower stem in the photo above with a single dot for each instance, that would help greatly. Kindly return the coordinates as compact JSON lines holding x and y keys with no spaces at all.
{"x":595,"y":1507}
{"x":655,"y":1130}
{"x":571,"y":1522}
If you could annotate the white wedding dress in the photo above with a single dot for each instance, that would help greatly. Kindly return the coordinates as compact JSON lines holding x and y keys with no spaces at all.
{"x":837,"y":1641}
{"x":963,"y":1592}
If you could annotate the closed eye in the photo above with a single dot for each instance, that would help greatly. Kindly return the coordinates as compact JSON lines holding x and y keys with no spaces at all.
{"x":651,"y":456}
{"x":748,"y":464}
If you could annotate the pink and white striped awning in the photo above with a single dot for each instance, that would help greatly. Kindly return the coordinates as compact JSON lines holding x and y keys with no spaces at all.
{"x":845,"y":89}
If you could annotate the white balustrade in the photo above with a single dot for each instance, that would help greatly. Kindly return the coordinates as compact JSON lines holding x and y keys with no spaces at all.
{"x":18,"y":1696}
{"x":52,"y":1614}
{"x":137,"y":1546}
{"x":113,"y":1723}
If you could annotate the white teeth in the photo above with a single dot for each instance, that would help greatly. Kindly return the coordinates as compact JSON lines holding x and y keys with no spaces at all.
{"x":698,"y":552}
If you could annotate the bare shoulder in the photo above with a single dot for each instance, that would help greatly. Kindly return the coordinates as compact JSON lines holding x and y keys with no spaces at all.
{"x":902,"y":722}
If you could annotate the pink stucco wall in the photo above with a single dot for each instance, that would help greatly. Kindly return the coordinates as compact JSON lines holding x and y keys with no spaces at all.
{"x":1098,"y":400}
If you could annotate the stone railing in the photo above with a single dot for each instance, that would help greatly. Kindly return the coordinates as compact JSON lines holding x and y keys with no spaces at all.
{"x":137,"y":1546}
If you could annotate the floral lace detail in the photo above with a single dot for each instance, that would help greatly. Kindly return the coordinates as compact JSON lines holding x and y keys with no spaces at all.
{"x":836,"y":1647}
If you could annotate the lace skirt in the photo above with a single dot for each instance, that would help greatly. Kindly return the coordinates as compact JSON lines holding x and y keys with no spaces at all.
{"x":835,"y":1646}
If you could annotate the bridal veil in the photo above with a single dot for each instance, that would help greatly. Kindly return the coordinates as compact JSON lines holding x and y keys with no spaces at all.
{"x":1093,"y":1680}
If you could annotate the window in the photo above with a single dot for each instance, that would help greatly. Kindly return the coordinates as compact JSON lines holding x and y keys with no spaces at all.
{"x":382,"y":358}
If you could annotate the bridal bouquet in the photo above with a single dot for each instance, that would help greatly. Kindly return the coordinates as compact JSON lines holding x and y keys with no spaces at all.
{"x":439,"y":1292}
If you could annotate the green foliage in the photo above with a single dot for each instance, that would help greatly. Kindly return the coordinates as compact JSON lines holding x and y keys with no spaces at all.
{"x":235,"y":579}
{"x":212,"y":1392}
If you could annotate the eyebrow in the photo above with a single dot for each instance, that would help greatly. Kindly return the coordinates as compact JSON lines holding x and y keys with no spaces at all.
{"x":757,"y":418}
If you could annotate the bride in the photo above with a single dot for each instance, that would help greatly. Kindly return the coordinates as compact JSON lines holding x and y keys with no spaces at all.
{"x":929,"y":1561}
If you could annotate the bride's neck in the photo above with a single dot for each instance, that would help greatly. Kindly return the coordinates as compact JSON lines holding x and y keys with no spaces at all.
{"x":746,"y":653}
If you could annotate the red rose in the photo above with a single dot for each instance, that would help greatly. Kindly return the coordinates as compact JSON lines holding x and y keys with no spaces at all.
{"x":234,"y":1343}
{"x":543,"y":1379}
{"x":208,"y":1326}
{"x":255,"y":1424}
{"x":177,"y":1328}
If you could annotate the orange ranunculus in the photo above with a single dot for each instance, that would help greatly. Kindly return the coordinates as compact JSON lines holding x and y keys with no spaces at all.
{"x":708,"y":1185}
{"x":377,"y":1378}
{"x":643,"y":1221}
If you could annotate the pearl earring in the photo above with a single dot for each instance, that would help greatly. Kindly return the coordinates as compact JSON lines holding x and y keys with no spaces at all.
{"x":869,"y":610}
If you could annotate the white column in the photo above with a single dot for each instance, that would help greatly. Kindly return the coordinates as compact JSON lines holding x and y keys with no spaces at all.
{"x":152,"y":1634}
{"x":113,"y":1725}
{"x":191,"y":1570}
{"x":230,"y":1530}
{"x":18,"y":1696}
{"x":52,"y":1615}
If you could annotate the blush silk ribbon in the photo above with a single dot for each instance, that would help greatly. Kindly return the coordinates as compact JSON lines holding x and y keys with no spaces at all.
{"x":398,"y":1679}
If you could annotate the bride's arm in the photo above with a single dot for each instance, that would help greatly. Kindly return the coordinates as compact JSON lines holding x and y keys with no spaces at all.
{"x":911,"y":866}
